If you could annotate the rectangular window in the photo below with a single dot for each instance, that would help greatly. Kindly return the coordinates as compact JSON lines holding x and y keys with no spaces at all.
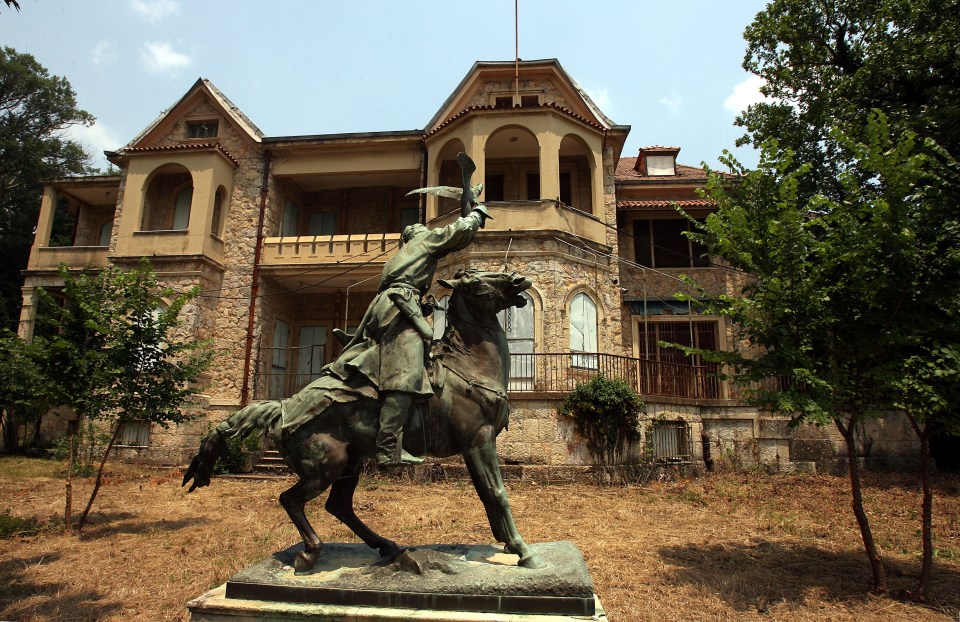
{"x":670,"y":441}
{"x":533,"y":186}
{"x":529,"y":100}
{"x":290,"y":225}
{"x":661,"y":243}
{"x":278,"y":360}
{"x":311,"y":354}
{"x":134,"y":434}
{"x":660,"y":165}
{"x":202,"y":129}
{"x":409,"y":216}
{"x":493,"y":187}
{"x":566,"y":188}
{"x":671,"y":371}
{"x":503,"y":101}
{"x":323,"y":223}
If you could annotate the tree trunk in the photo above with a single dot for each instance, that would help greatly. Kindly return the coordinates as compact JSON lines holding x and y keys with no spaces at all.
{"x":926,"y":518}
{"x":96,"y":485}
{"x":876,"y":564}
{"x":68,"y":504}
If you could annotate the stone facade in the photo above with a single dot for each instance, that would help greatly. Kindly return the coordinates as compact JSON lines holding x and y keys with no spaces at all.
{"x":565,"y":217}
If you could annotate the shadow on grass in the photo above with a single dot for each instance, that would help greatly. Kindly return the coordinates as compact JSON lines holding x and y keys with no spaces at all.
{"x":754,"y":576}
{"x":21,"y":597}
{"x":102,"y":526}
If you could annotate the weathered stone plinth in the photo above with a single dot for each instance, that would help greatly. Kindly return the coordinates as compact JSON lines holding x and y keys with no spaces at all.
{"x":434,"y":583}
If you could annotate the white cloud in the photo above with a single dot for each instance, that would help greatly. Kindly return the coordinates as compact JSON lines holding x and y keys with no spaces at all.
{"x":672,"y":103}
{"x":103,"y":52}
{"x":744,"y":94}
{"x":95,"y":139}
{"x":155,"y":10}
{"x":160,"y":57}
{"x":602,"y":98}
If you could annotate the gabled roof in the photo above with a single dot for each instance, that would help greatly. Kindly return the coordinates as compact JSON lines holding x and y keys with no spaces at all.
{"x":627,"y":172}
{"x":205,"y":86}
{"x":449,"y":109}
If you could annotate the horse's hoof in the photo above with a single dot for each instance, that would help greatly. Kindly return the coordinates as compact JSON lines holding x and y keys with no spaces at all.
{"x":390,"y":549}
{"x":305,"y":560}
{"x":532,"y":562}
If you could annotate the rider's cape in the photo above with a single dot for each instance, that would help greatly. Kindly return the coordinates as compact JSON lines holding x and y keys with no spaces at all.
{"x":317,"y":396}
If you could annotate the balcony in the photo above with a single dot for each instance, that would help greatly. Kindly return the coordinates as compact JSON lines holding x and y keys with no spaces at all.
{"x":50,"y":257}
{"x":339,"y":260}
{"x":546,"y":215}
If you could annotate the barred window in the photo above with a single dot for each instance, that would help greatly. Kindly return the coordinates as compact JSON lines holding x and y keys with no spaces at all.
{"x":670,"y":441}
{"x":134,"y":434}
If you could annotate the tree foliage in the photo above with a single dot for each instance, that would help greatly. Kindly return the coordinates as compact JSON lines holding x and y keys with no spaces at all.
{"x":117,"y":351}
{"x":853,"y":304}
{"x":35,"y":109}
{"x":828,"y":64}
{"x":26,"y":392}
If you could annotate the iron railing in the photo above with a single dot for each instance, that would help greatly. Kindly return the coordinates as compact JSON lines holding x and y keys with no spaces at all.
{"x":559,"y":373}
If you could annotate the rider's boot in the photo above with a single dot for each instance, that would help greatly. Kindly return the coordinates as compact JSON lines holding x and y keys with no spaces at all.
{"x":393,"y":415}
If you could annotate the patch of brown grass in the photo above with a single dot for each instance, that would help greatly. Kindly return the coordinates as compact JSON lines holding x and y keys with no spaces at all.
{"x":723,"y":547}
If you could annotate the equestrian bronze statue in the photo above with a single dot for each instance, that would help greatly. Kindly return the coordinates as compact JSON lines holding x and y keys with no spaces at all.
{"x":327,"y":430}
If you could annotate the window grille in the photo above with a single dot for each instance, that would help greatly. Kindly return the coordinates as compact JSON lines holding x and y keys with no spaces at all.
{"x":134,"y":434}
{"x":670,"y":441}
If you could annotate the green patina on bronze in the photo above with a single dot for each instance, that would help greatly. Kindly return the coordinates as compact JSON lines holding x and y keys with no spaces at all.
{"x":326,"y":431}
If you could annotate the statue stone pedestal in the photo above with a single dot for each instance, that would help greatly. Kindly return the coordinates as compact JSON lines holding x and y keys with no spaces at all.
{"x":437,"y":583}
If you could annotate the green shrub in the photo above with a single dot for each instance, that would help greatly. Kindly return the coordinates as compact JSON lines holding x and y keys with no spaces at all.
{"x":11,"y":526}
{"x":606,"y":413}
{"x":237,"y":450}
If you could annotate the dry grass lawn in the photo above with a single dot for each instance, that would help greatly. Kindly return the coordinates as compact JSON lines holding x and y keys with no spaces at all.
{"x":721,"y":547}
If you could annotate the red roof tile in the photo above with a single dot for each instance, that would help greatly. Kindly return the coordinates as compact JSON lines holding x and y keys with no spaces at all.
{"x":659,"y":204}
{"x":562,"y":109}
{"x":185,"y":147}
{"x":626,"y":172}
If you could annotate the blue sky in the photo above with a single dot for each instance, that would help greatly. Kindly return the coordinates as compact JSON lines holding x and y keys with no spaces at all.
{"x":671,"y":70}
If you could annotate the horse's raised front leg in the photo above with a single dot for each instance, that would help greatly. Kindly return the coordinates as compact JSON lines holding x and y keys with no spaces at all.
{"x":340,"y":505}
{"x":481,"y":461}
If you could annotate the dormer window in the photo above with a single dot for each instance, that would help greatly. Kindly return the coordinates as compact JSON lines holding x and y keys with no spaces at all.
{"x":202,"y":129}
{"x":658,"y":161}
{"x":525,"y":99}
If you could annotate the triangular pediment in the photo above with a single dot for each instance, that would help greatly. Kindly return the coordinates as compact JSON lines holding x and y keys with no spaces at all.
{"x":202,"y":106}
{"x":542,"y":83}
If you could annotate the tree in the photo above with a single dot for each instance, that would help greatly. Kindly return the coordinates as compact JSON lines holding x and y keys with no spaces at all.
{"x":828,"y":64}
{"x":26,"y":393}
{"x":847,"y":296}
{"x":120,"y":357}
{"x":35,"y":109}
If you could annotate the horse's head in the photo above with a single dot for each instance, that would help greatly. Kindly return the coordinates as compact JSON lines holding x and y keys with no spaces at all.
{"x":488,"y":293}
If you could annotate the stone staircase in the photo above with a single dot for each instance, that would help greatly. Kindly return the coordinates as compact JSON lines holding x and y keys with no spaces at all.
{"x":271,"y":463}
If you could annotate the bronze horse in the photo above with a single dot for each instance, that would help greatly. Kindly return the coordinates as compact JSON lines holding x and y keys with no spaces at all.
{"x":467,"y":412}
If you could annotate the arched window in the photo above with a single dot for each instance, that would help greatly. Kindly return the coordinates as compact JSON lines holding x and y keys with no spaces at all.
{"x":583,"y":331}
{"x":517,"y":323}
{"x":181,"y":209}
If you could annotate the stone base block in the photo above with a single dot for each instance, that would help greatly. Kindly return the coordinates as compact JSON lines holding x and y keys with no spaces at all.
{"x":454,"y":583}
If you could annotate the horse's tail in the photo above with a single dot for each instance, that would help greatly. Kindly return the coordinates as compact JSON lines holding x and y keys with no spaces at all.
{"x":241,"y":423}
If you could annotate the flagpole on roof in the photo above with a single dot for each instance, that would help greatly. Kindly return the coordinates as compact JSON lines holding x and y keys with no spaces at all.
{"x":516,"y":51}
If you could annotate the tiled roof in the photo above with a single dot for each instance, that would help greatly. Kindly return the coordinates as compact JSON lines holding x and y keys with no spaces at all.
{"x":659,"y":204}
{"x":659,"y":148}
{"x":562,"y":109}
{"x":184,"y":147}
{"x":626,"y":172}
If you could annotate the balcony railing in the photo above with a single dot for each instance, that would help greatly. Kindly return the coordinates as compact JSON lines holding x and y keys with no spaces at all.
{"x":561,"y":373}
{"x":330,"y":249}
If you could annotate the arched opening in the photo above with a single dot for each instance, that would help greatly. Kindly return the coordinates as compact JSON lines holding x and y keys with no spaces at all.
{"x":168,"y":199}
{"x":512,"y":165}
{"x":216,"y":224}
{"x":583,"y":331}
{"x":576,"y":173}
{"x":449,"y":173}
